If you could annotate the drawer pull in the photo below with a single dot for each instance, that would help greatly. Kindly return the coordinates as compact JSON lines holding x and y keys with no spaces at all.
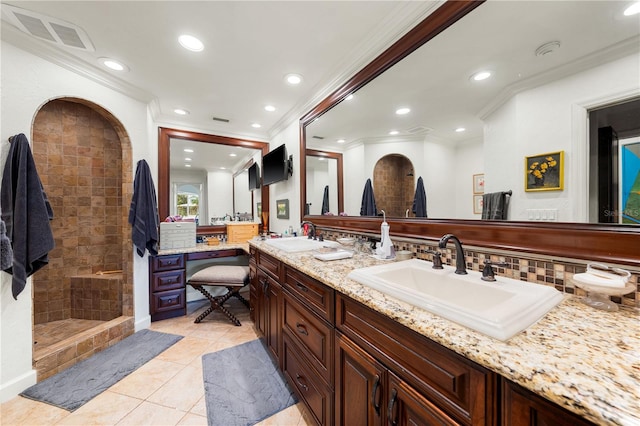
{"x":302,"y":287}
{"x":375,"y":401}
{"x":299,"y":379}
{"x":302,"y":329}
{"x":392,"y":403}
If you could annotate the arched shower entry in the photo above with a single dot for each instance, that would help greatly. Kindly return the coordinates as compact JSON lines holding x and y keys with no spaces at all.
{"x":83,"y":299}
{"x":394,"y":185}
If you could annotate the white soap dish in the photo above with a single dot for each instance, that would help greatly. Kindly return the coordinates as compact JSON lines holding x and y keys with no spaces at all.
{"x":335,"y":254}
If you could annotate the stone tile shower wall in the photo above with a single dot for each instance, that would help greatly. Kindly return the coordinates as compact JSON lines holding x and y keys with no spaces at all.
{"x":394,"y":185}
{"x":79,"y":158}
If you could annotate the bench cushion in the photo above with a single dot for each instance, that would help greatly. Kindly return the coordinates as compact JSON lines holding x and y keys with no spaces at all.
{"x":227,"y":275}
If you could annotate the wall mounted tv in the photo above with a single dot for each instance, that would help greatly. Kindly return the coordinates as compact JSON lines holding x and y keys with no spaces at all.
{"x":254,"y":176}
{"x":276,"y":166}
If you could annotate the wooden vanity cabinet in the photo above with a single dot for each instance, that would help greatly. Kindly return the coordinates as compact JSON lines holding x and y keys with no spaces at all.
{"x":167,"y":291}
{"x":521,"y":407}
{"x":444,"y":385}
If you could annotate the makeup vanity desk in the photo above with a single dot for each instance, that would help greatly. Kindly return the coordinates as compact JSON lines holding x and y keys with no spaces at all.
{"x":168,"y":275}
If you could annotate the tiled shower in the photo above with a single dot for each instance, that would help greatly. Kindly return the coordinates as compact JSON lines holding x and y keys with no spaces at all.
{"x":83,"y":158}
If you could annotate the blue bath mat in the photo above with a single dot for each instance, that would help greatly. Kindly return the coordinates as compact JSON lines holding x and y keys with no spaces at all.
{"x":77,"y":385}
{"x":243,"y":386}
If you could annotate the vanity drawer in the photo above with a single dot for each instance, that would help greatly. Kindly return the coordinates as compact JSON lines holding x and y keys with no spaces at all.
{"x":214,"y":254}
{"x":317,"y":396}
{"x":168,"y":280}
{"x":313,"y":293}
{"x":269,"y":264}
{"x":462,"y":388}
{"x":311,"y":333}
{"x":167,"y":262}
{"x":168,"y":300}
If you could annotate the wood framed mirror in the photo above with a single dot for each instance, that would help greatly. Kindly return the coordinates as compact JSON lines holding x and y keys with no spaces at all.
{"x":611,"y":243}
{"x":166,"y":135}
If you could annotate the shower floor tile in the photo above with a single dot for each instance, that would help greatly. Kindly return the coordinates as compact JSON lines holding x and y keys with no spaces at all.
{"x":47,"y":334}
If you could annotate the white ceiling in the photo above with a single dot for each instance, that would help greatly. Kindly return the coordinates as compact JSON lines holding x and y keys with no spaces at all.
{"x":249,"y":47}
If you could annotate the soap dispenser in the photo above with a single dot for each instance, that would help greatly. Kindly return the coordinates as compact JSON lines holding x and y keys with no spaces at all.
{"x":385,"y":250}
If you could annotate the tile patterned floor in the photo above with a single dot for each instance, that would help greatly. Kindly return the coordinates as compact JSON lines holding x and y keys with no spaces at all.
{"x":168,"y":390}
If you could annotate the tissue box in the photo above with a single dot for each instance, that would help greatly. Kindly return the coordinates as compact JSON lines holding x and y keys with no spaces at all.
{"x":176,"y":235}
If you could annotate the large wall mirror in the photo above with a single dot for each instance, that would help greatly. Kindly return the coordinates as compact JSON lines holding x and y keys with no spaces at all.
{"x":206,"y":177}
{"x":551,"y":72}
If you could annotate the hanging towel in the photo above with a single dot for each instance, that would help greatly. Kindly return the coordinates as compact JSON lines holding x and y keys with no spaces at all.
{"x":494,"y":206}
{"x":420,"y":200}
{"x":325,"y":200}
{"x":143,"y":212}
{"x":26,"y":213}
{"x":368,"y":206}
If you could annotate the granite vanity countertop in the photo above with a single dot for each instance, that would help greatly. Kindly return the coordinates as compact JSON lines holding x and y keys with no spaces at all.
{"x":206,"y":247}
{"x":583,"y":359}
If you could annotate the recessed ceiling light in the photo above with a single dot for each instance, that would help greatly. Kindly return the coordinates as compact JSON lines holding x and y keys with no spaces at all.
{"x":394,"y":132}
{"x":348,"y":98}
{"x":181,"y":111}
{"x":187,"y":159}
{"x":320,"y":158}
{"x":293,"y":79}
{"x":188,"y":150}
{"x":403,"y":111}
{"x":187,"y":165}
{"x":269,"y":108}
{"x":113,"y":64}
{"x":191,"y":43}
{"x":634,"y":9}
{"x":481,"y":75}
{"x":256,"y":125}
{"x":340,"y":141}
{"x":223,"y":168}
{"x":460,"y":129}
{"x":232,"y":155}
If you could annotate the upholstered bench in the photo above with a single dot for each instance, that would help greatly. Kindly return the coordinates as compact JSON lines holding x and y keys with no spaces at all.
{"x":230,"y":276}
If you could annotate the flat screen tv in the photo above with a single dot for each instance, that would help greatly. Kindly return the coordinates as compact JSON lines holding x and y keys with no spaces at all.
{"x":276,"y":166}
{"x":254,"y":176}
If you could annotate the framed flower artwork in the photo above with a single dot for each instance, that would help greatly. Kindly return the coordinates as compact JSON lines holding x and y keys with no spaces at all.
{"x":478,"y":183}
{"x":544,"y":172}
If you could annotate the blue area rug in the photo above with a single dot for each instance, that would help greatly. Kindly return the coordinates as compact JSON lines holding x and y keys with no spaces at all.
{"x":78,"y":384}
{"x":243,"y":386}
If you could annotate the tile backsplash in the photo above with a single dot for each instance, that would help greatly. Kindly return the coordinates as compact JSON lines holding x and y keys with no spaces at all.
{"x":556,"y":272}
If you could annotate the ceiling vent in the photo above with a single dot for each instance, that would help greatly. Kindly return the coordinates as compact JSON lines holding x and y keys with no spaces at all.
{"x":318,"y":137}
{"x":46,"y":28}
{"x":222,"y":120}
{"x":418,"y":130}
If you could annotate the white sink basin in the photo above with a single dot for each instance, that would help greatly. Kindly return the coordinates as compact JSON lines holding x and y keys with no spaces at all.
{"x":498,"y":309}
{"x":296,"y":244}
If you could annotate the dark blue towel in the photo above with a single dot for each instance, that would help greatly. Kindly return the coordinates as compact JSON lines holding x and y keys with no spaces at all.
{"x":26,"y":213}
{"x":325,"y":200}
{"x":143,"y":212}
{"x":368,"y":205}
{"x":420,"y":200}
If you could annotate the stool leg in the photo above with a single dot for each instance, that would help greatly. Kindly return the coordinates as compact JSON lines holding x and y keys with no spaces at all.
{"x":216,"y":303}
{"x":237,"y":295}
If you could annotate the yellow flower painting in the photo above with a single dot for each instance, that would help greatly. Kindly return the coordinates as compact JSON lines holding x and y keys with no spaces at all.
{"x":544,"y":172}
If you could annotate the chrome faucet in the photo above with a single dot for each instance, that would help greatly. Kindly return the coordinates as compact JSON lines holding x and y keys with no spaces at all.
{"x":460,"y":261}
{"x":312,"y":231}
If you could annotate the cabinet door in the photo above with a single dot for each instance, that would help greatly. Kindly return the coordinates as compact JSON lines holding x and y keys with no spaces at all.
{"x":407,"y":407}
{"x":359,"y":386}
{"x":523,"y":408}
{"x":260,"y":308}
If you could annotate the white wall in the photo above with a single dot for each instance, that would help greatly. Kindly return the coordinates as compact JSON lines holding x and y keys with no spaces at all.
{"x":287,"y":189}
{"x":28,"y":83}
{"x":552,"y":118}
{"x":220,"y":193}
{"x":468,"y":162}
